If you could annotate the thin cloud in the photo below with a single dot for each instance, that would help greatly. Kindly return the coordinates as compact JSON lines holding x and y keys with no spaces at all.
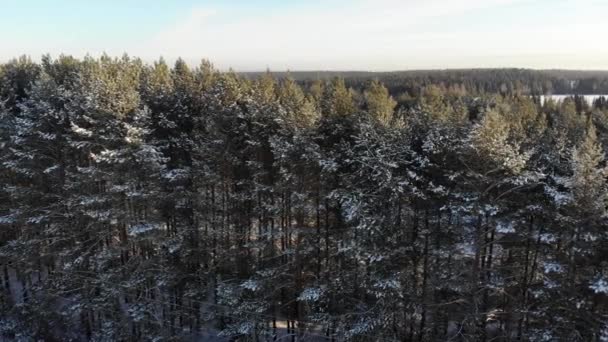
{"x":385,"y":35}
{"x":300,"y":38}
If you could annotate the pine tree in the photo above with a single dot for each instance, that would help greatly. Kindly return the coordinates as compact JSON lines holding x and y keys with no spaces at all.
{"x":492,"y":138}
{"x":16,"y":79}
{"x":337,"y":99}
{"x":379,"y":103}
{"x":299,"y":109}
{"x":588,"y":180}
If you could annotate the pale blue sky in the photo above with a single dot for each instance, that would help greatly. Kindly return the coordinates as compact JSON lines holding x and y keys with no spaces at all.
{"x":313,"y":35}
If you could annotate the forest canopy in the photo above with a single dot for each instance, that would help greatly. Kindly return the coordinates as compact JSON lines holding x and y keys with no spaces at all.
{"x":156,"y":202}
{"x":471,"y":81}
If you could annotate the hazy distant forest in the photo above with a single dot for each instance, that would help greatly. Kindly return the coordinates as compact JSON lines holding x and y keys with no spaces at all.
{"x":156,"y":202}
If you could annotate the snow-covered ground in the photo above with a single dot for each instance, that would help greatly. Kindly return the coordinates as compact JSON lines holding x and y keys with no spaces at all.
{"x":559,"y":98}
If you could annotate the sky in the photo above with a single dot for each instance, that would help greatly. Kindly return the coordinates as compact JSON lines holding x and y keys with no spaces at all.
{"x":374,"y":35}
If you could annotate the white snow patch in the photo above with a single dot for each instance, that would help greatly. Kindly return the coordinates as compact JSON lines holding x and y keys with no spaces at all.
{"x":51,"y":169}
{"x":600,"y":286}
{"x":82,"y":131}
{"x":7,"y":219}
{"x":311,"y":294}
{"x":251,"y":285}
{"x":141,"y":228}
{"x":549,"y":267}
{"x":548,"y":238}
{"x":505,"y":228}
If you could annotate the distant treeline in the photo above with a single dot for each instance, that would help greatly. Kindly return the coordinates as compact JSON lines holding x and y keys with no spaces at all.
{"x":469,"y":81}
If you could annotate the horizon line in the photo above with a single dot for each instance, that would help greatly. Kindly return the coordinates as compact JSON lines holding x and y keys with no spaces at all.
{"x":191,"y":62}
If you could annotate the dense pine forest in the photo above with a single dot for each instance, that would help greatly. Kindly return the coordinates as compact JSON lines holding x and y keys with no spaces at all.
{"x":156,"y":202}
{"x":470,"y":81}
